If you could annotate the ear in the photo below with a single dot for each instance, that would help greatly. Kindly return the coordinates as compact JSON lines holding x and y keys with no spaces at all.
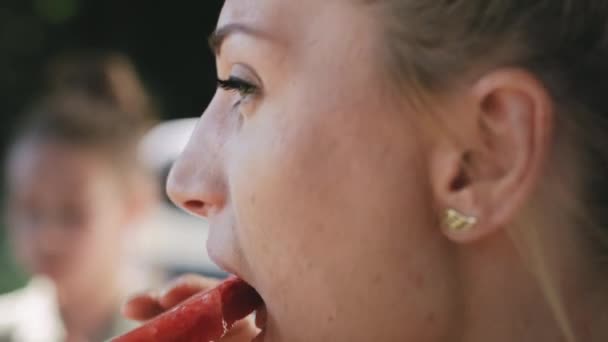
{"x":491,"y":160}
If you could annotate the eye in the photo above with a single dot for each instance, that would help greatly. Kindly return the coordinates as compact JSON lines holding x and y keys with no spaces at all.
{"x":245,"y":87}
{"x":238,"y":85}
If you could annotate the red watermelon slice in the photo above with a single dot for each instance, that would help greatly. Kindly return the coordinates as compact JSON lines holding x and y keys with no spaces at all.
{"x":204,"y":317}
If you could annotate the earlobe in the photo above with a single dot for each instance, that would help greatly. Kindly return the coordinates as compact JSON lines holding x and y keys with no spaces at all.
{"x":501,"y":161}
{"x":458,"y":222}
{"x":458,"y":212}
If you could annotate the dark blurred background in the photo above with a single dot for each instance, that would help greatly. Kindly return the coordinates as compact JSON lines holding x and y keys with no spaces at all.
{"x":167,"y":41}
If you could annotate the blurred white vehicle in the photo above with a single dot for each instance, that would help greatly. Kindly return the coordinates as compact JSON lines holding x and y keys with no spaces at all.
{"x":172,"y":239}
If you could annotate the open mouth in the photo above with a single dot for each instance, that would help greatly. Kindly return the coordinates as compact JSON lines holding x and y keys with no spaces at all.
{"x":238,"y":300}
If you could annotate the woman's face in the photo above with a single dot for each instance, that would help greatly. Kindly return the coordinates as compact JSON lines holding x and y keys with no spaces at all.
{"x":65,"y":212}
{"x":313,"y":178}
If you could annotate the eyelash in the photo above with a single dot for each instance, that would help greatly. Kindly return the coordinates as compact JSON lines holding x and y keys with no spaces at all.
{"x":238,"y":85}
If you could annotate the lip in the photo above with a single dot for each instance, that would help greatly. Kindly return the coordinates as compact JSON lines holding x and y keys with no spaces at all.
{"x":219,"y":261}
{"x":49,"y":268}
{"x":261,"y":314}
{"x":230,"y":270}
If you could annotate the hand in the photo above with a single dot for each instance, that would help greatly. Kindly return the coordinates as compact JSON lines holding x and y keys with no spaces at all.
{"x":146,"y":306}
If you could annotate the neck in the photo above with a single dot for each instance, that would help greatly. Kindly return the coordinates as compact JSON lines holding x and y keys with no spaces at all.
{"x":589,"y":313}
{"x":504,"y":300}
{"x":86,"y":311}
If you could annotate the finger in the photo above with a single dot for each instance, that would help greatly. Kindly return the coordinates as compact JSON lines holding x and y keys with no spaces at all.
{"x":183,"y":288}
{"x":142,"y":307}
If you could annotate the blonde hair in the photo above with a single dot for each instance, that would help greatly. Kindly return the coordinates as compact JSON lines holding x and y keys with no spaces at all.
{"x":432,"y":44}
{"x":95,"y":101}
{"x":107,"y":76}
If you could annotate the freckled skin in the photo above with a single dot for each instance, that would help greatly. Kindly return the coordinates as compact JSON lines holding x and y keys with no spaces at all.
{"x":325,"y":188}
{"x":309,"y":186}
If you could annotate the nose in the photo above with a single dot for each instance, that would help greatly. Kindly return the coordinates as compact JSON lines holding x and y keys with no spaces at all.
{"x":196,"y":182}
{"x":196,"y":198}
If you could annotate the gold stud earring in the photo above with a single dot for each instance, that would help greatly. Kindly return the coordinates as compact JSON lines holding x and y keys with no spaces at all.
{"x":458,"y":222}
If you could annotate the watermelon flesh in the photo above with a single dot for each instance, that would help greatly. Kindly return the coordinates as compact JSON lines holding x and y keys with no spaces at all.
{"x":204,"y":317}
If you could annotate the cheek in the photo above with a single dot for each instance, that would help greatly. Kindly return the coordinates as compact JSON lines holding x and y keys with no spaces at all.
{"x":333,"y":212}
{"x":89,"y":256}
{"x":98,"y":236}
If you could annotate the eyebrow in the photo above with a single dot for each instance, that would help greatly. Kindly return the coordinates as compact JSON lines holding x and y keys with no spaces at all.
{"x":217,"y":38}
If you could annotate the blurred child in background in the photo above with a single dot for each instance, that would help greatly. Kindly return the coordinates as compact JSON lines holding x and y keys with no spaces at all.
{"x":76,"y":190}
{"x":108,"y":76}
